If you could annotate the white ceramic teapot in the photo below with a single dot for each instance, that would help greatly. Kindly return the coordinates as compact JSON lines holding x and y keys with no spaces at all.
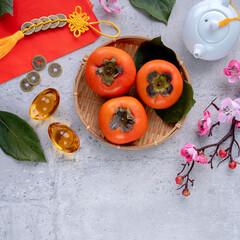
{"x":202,"y":34}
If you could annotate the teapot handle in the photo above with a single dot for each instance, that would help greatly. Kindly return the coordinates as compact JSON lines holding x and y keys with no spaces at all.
{"x":226,"y":2}
{"x":224,"y":22}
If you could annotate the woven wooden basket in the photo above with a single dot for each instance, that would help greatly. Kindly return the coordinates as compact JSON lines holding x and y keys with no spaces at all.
{"x":88,"y":103}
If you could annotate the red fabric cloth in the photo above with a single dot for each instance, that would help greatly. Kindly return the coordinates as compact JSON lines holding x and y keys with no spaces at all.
{"x":51,"y":44}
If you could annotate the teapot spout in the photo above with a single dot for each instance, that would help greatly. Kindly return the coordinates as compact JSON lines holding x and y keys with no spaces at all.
{"x":226,"y":3}
{"x":199,"y":50}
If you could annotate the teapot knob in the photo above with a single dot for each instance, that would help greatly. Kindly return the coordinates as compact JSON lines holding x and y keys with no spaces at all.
{"x":199,"y":50}
{"x":214,"y":25}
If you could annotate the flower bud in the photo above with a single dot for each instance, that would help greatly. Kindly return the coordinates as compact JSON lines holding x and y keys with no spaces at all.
{"x":222,"y":153}
{"x":233,"y":164}
{"x":179,"y":180}
{"x":185,"y":192}
{"x":238,"y":124}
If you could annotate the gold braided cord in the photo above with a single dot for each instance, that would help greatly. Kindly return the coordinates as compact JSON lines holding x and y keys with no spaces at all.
{"x":43,"y":23}
{"x":90,"y":25}
{"x":234,"y":8}
{"x":78,"y":24}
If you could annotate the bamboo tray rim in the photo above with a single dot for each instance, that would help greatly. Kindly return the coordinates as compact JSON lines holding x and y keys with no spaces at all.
{"x":76,"y":94}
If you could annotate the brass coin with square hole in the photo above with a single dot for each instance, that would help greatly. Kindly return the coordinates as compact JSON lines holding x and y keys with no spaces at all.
{"x":36,"y":21}
{"x":62,"y":16}
{"x":39,"y":62}
{"x":25,"y":85}
{"x":27,"y":25}
{"x":33,"y":78}
{"x":55,"y":69}
{"x":54,"y":24}
{"x":46,"y":25}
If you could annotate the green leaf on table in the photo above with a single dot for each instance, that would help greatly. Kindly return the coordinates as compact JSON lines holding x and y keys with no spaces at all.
{"x":154,"y":49}
{"x":159,"y":9}
{"x":6,"y":6}
{"x":18,"y":139}
{"x":180,"y":109}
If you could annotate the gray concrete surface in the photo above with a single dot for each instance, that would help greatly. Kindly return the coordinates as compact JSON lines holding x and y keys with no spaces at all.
{"x":103,"y":193}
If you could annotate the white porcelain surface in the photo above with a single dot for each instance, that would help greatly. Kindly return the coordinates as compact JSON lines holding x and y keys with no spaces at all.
{"x":201,"y":28}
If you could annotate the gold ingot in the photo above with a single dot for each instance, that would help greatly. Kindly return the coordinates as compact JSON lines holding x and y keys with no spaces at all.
{"x":45,"y":104}
{"x":63,"y":137}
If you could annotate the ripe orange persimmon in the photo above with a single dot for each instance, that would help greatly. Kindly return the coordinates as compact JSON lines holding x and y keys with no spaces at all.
{"x":159,"y":84}
{"x":122,"y":120}
{"x":110,"y":71}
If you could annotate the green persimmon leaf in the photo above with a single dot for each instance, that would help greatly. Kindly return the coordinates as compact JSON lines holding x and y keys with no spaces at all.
{"x":18,"y":139}
{"x":180,"y":109}
{"x":6,"y":6}
{"x":154,"y":49}
{"x":159,"y":9}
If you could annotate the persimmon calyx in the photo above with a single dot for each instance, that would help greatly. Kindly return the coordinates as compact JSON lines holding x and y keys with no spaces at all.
{"x":109,"y":71}
{"x":122,"y":119}
{"x":159,"y":84}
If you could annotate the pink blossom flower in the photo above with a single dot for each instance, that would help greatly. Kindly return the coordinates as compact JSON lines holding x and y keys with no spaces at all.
{"x":205,"y":123}
{"x":202,"y":159}
{"x":238,"y":124}
{"x":189,"y":152}
{"x":109,"y":5}
{"x":229,"y":109}
{"x":233,"y":71}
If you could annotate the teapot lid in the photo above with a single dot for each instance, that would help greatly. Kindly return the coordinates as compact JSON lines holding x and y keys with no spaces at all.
{"x":208,"y":29}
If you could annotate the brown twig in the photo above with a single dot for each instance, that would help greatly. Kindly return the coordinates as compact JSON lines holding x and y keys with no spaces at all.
{"x":213,"y":104}
{"x":230,"y":134}
{"x":184,"y":166}
{"x":187,"y":175}
{"x":213,"y":126}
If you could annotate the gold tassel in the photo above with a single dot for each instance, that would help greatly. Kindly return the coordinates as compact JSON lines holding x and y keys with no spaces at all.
{"x":7,"y":43}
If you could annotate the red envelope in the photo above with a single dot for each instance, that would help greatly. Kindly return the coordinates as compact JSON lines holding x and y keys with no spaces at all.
{"x":52,"y":43}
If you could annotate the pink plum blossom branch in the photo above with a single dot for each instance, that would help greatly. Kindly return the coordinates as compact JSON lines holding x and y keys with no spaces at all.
{"x":229,"y":112}
{"x":231,"y":133}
